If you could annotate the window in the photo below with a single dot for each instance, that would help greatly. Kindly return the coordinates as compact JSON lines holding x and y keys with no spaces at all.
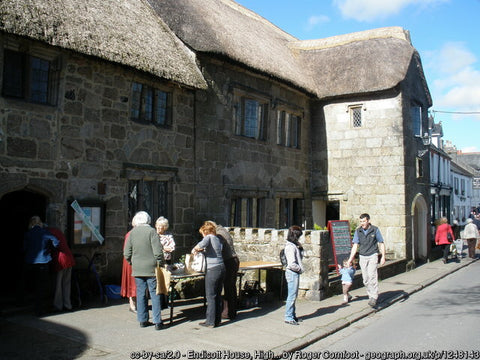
{"x":250,"y":117}
{"x":462,"y":186}
{"x":288,"y":129}
{"x":30,"y":78}
{"x":356,"y":116}
{"x":149,"y":196}
{"x":419,"y":168}
{"x":455,"y":181}
{"x":247,"y":212}
{"x":416,"y":114}
{"x":150,"y":105}
{"x":290,"y":212}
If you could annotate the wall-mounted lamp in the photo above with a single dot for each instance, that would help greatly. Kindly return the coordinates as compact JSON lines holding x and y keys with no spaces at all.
{"x":420,"y":153}
{"x":426,"y":139}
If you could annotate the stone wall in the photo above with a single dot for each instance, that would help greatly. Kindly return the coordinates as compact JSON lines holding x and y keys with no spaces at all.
{"x":253,"y":244}
{"x":87,"y":148}
{"x":230,"y":165}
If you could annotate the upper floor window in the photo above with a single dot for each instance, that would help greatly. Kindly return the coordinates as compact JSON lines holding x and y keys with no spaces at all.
{"x":150,"y":105}
{"x":250,"y":117}
{"x":288,"y":129}
{"x":356,"y":116}
{"x":29,"y":77}
{"x":416,"y":114}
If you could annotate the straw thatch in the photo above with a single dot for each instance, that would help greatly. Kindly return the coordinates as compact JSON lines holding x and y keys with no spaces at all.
{"x":127,"y":32}
{"x":227,"y":29}
{"x":356,"y":63}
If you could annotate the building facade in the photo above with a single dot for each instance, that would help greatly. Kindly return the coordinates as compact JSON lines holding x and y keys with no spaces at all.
{"x":197,"y":115}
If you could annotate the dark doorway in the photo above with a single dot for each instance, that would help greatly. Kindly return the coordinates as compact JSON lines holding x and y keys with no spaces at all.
{"x":332,"y":211}
{"x":16,"y":208}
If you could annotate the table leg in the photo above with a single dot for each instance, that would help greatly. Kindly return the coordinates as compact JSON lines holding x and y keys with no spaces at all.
{"x":171,"y":300}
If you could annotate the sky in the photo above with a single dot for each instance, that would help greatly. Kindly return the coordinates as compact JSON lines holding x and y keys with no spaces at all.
{"x":446,"y":34}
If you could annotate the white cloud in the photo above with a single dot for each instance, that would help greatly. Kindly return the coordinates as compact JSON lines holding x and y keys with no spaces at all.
{"x":453,"y":57}
{"x":315,"y":20}
{"x":370,"y":10}
{"x":457,"y":83}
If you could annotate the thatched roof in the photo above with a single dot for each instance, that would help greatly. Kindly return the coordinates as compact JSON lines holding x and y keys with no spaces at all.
{"x":227,"y":29}
{"x":127,"y":32}
{"x":358,"y":63}
{"x":350,"y":64}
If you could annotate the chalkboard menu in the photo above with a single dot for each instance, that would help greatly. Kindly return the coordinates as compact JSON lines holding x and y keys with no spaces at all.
{"x":340,"y":240}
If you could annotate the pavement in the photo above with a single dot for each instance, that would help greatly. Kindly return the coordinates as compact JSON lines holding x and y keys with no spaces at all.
{"x":112,"y":332}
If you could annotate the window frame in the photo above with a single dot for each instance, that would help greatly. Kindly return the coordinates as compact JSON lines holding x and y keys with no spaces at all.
{"x":30,"y":74}
{"x":288,"y":128}
{"x":145,"y":105}
{"x":356,"y":123}
{"x":416,"y":115}
{"x":240,"y":122}
{"x":247,"y":210}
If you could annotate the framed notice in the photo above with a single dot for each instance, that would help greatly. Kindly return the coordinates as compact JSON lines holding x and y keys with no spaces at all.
{"x":341,"y":241}
{"x":86,"y":223}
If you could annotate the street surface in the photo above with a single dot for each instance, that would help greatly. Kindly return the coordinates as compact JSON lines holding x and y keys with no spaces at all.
{"x":441,"y":321}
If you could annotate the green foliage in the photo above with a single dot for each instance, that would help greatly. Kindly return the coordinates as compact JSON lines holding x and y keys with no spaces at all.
{"x":354,"y":223}
{"x":317,"y":227}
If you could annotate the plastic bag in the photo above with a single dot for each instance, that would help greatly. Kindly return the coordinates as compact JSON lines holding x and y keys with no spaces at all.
{"x":195,"y":263}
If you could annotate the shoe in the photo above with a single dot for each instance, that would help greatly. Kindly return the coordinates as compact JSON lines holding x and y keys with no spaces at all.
{"x":372,"y":302}
{"x":291,"y":322}
{"x":159,"y":326}
{"x":350,"y":297}
{"x":145,"y":324}
{"x":132,"y":310}
{"x":444,"y":261}
{"x":204,"y":324}
{"x":297,"y":319}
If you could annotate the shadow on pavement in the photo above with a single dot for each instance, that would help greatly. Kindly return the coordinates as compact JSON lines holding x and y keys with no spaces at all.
{"x":24,"y":342}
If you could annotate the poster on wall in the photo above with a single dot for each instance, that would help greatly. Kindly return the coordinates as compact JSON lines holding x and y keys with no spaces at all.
{"x":86,"y":223}
{"x":340,"y":240}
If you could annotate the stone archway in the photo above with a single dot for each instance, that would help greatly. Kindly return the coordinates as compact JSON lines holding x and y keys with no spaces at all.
{"x":16,"y":208}
{"x":419,"y":215}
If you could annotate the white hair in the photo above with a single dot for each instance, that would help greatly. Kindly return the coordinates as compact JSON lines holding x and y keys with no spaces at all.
{"x":162,"y":222}
{"x":141,"y":218}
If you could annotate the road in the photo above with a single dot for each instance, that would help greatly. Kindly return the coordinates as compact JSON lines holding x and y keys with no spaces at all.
{"x":441,"y":317}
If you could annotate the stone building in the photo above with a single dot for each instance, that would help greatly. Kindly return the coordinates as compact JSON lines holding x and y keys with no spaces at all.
{"x":203,"y":109}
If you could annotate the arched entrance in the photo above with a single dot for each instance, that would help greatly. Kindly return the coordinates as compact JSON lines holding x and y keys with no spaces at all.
{"x":419,"y":228}
{"x":16,"y":208}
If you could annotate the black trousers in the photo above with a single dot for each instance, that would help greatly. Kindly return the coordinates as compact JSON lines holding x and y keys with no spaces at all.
{"x":230,"y":288}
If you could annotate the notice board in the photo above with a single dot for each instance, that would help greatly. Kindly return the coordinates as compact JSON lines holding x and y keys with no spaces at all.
{"x":341,"y":241}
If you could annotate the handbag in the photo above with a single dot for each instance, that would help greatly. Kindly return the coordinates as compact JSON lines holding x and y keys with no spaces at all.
{"x":449,"y":237}
{"x":195,"y":263}
{"x":163,"y":280}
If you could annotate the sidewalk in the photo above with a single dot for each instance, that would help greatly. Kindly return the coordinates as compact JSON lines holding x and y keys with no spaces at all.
{"x":112,"y":332}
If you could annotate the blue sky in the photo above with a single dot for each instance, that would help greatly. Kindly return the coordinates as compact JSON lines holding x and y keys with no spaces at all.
{"x":446,"y":33}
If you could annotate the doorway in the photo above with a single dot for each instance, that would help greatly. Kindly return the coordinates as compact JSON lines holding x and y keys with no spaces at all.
{"x":16,"y":208}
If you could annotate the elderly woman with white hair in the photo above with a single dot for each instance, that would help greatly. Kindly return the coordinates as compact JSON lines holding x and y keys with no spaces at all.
{"x":471,"y":234}
{"x":166,"y":238}
{"x":143,"y":251}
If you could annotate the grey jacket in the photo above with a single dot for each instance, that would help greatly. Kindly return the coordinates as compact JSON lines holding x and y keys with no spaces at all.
{"x":143,"y":250}
{"x":294,"y":257}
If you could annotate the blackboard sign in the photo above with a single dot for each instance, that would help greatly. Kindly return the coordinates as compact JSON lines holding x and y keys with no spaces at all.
{"x":340,"y":240}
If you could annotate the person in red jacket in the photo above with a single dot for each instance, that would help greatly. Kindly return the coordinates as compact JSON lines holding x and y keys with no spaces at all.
{"x":62,"y":261}
{"x":444,"y":237}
